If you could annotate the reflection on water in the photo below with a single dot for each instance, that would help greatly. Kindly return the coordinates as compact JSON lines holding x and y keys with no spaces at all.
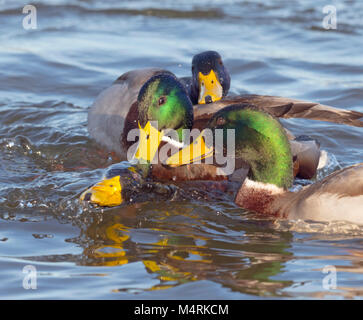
{"x":178,"y":245}
{"x":200,"y":245}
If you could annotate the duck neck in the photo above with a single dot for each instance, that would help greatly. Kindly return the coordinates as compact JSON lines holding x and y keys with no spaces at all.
{"x":260,"y":197}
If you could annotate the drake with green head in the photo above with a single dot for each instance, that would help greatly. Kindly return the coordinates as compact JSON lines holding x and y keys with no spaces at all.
{"x":262,"y":143}
{"x":136,"y":98}
{"x":163,"y":99}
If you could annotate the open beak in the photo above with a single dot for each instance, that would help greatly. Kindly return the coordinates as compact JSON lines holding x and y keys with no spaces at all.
{"x":210,"y":89}
{"x":194,"y":152}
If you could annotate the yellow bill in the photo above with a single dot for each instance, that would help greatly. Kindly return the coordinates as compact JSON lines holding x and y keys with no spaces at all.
{"x":210,"y":88}
{"x":194,"y":152}
{"x":106,"y":193}
{"x":149,"y":142}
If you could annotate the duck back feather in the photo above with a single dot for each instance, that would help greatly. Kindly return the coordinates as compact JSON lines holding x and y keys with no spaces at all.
{"x":284,"y":108}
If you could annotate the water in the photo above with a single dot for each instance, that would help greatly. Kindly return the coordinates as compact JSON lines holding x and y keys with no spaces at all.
{"x":165,"y":250}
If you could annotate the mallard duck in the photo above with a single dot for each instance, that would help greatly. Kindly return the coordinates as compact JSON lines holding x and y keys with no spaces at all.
{"x":123,"y":183}
{"x":137,"y":97}
{"x":210,"y":80}
{"x":263,"y":146}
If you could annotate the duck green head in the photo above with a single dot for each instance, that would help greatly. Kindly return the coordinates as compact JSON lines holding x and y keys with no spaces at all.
{"x":210,"y":78}
{"x":163,"y":104}
{"x":164,"y":99}
{"x":260,"y":140}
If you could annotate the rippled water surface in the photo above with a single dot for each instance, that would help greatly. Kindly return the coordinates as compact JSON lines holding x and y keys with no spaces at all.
{"x":165,"y":250}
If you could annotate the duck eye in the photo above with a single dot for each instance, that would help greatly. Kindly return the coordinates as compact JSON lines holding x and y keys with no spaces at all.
{"x":162,"y":100}
{"x":220,"y":62}
{"x":212,"y":81}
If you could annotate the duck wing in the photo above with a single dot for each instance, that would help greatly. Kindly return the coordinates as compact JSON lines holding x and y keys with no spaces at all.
{"x":284,"y":108}
{"x":306,"y":156}
{"x":337,"y":197}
